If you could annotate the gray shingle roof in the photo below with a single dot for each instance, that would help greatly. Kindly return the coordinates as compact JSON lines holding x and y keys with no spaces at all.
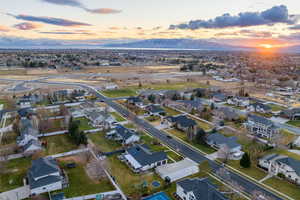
{"x":259,"y":119}
{"x":43,"y":166}
{"x":203,"y":189}
{"x":294,"y":164}
{"x":123,"y":132}
{"x":220,"y":139}
{"x":183,"y":120}
{"x":144,"y":156}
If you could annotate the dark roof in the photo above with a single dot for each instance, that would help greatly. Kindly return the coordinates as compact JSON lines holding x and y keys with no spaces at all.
{"x":220,"y":96}
{"x":43,"y":166}
{"x":144,"y":156}
{"x":24,"y":112}
{"x":125,"y":133}
{"x":229,"y":112}
{"x":291,"y":112}
{"x":203,"y":189}
{"x":269,"y":157}
{"x":294,"y":164}
{"x":193,"y":103}
{"x":43,"y":181}
{"x":259,"y":119}
{"x":155,"y":109}
{"x":183,"y":120}
{"x":135,"y":99}
{"x":220,"y":139}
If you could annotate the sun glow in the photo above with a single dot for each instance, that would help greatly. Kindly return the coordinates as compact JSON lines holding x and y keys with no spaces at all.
{"x":267,"y":46}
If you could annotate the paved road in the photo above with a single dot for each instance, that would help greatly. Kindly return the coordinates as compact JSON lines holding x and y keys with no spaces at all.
{"x":248,"y":186}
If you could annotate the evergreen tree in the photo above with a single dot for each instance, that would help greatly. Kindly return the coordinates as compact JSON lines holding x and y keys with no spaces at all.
{"x":245,"y":161}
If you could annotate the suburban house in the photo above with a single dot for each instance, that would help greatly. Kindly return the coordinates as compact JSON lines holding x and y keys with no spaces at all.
{"x":189,"y":105}
{"x":259,"y":107}
{"x":218,"y":141}
{"x":123,"y":135}
{"x":183,"y":123}
{"x":155,"y":110}
{"x":137,"y":101}
{"x":44,"y":175}
{"x":282,"y":166}
{"x":226,"y":113}
{"x":99,"y":118}
{"x":139,"y":158}
{"x":239,"y":101}
{"x":24,"y":112}
{"x":261,"y":126}
{"x":177,"y":170}
{"x":219,"y":97}
{"x":198,"y":189}
{"x":28,"y":138}
{"x":292,"y":114}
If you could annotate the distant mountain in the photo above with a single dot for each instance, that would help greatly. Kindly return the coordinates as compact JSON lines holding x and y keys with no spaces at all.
{"x":177,"y":44}
{"x":291,"y":49}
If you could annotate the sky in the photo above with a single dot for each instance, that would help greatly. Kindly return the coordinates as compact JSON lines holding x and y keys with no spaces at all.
{"x":239,"y":22}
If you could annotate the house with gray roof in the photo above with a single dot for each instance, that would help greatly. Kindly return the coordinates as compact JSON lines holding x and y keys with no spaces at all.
{"x":217,"y":141}
{"x":155,"y":110}
{"x":281,"y":165}
{"x":226,"y":113}
{"x":259,"y":107}
{"x":99,"y":119}
{"x":261,"y":126}
{"x":123,"y":135}
{"x":140,"y":158}
{"x":292,"y":114}
{"x":183,"y":123}
{"x":198,"y":189}
{"x":189,"y":105}
{"x":44,"y":175}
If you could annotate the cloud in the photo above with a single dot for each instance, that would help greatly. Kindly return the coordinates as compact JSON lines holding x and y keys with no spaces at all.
{"x":73,"y":3}
{"x":66,"y":33}
{"x":76,"y":3}
{"x":26,"y":26}
{"x":49,"y":20}
{"x":274,"y":15}
{"x":296,"y":27}
{"x":4,"y":29}
{"x":103,"y":11}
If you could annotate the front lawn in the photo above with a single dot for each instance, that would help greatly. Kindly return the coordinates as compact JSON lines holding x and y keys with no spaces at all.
{"x":253,"y":171}
{"x":119,"y":93}
{"x":294,"y":123}
{"x":102,"y":143}
{"x":174,"y":156}
{"x":58,"y":144}
{"x":171,"y":112}
{"x":80,"y":184}
{"x":205,"y":126}
{"x":275,"y":107}
{"x":181,"y":135}
{"x":152,"y":143}
{"x":15,"y":171}
{"x":118,"y":117}
{"x":284,"y":186}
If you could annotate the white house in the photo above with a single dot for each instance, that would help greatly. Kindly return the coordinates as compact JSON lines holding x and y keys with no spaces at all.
{"x":239,"y":101}
{"x":261,"y":127}
{"x":282,"y":166}
{"x":198,"y":189}
{"x":177,"y":170}
{"x":44,"y":175}
{"x":139,"y":158}
{"x":259,"y":107}
{"x":123,"y":134}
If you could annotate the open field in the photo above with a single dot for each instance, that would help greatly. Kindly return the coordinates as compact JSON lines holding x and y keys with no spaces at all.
{"x":119,"y":93}
{"x":102,"y":143}
{"x":294,"y":123}
{"x":118,"y":117}
{"x":171,"y":112}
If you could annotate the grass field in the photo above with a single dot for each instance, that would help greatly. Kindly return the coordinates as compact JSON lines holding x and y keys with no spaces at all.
{"x":84,"y":124}
{"x":294,"y":123}
{"x":205,"y":126}
{"x":102,"y":143}
{"x":171,"y":112}
{"x":118,"y":117}
{"x":16,"y":171}
{"x":171,"y":86}
{"x":58,"y":144}
{"x":174,"y":156}
{"x":181,"y":135}
{"x":275,"y":107}
{"x":153,"y":143}
{"x":285,"y":187}
{"x":119,"y":93}
{"x":80,"y":184}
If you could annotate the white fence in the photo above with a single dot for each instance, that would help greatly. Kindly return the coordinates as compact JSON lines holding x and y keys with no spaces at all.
{"x":93,"y":196}
{"x":69,"y":153}
{"x":53,"y":133}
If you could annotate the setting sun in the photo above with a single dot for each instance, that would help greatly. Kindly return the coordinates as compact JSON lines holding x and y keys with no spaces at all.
{"x":267,"y":46}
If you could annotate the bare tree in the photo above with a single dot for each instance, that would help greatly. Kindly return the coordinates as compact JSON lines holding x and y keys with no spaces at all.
{"x":224,"y":153}
{"x":96,"y":169}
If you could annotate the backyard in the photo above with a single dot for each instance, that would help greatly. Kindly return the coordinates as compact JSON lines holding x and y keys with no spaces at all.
{"x":294,"y":123}
{"x":84,"y":124}
{"x":102,"y":143}
{"x":58,"y":144}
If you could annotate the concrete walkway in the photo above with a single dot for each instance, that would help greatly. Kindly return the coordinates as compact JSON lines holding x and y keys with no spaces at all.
{"x":265,"y":178}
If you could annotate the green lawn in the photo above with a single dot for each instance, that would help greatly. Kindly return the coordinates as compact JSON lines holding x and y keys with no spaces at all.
{"x":294,"y":123}
{"x":56,"y":125}
{"x":58,"y":144}
{"x":153,"y":143}
{"x":80,"y":184}
{"x":253,"y":171}
{"x":130,"y":126}
{"x":153,"y":118}
{"x":130,"y":182}
{"x":275,"y":107}
{"x":15,"y":171}
{"x":119,"y":93}
{"x":181,"y":135}
{"x":171,"y":112}
{"x":174,"y":156}
{"x":205,"y":126}
{"x":102,"y":143}
{"x":284,"y":186}
{"x":84,"y":124}
{"x":118,"y":117}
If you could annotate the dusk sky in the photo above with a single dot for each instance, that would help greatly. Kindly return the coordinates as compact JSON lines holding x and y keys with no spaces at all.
{"x":242,"y":22}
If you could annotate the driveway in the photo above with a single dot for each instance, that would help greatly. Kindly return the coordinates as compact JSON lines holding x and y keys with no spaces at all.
{"x":212,"y":156}
{"x":16,"y":194}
